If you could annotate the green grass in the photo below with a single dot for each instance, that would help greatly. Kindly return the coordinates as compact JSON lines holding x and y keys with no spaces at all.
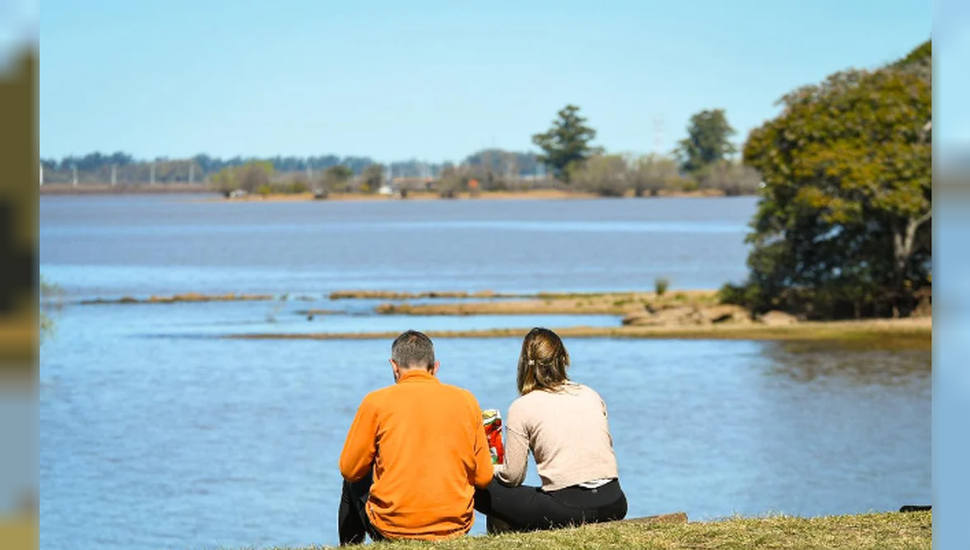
{"x":856,"y":335}
{"x":890,"y":531}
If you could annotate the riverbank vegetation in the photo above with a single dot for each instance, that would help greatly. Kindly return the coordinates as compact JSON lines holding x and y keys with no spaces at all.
{"x":888,"y":531}
{"x":843,"y":226}
{"x":883,"y":334}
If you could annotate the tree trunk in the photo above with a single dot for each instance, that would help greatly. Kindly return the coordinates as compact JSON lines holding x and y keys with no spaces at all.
{"x":904,"y":240}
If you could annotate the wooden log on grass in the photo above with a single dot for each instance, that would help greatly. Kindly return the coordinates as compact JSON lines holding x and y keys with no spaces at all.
{"x":495,"y":526}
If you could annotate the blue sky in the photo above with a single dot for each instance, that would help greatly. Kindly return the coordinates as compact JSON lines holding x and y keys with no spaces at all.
{"x":433,"y":80}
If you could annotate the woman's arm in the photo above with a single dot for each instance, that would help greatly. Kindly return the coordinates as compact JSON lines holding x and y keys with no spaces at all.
{"x":512,"y":472}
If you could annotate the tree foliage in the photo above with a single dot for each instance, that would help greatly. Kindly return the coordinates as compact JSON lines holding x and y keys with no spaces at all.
{"x":567,"y":142}
{"x":707,"y":141}
{"x":841,"y":229}
{"x":654,"y":173}
{"x":372,"y":178}
{"x":730,"y":177}
{"x":250,"y":177}
{"x":337,"y":178}
{"x":605,"y":175}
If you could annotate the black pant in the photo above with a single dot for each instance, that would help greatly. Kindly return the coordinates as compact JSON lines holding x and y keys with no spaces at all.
{"x":530,"y":508}
{"x":352,"y":520}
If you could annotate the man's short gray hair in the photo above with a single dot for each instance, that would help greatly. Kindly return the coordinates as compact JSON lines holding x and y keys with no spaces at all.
{"x":413,"y":349}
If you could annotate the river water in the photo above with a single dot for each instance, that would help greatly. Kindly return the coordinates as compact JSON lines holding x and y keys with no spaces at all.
{"x":157,"y":433}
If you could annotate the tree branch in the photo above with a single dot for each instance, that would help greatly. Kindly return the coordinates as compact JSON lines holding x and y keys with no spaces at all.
{"x":924,"y":218}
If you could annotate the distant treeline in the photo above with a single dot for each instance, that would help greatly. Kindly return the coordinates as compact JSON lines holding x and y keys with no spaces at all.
{"x":122,"y":167}
{"x":703,"y":160}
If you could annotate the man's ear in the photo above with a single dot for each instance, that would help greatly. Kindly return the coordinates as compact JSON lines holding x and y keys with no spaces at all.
{"x":395,"y":369}
{"x":434,"y":369}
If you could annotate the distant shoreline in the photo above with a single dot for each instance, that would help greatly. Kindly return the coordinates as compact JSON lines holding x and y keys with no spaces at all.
{"x":50,"y":189}
{"x":535,"y":194}
{"x":66,"y":189}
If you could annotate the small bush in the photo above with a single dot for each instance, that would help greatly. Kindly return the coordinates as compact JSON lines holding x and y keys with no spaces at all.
{"x":745,"y":295}
{"x":688,"y":185}
{"x":660,"y":285}
{"x":264,"y":190}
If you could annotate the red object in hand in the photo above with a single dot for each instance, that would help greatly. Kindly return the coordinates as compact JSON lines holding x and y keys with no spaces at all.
{"x":493,"y":432}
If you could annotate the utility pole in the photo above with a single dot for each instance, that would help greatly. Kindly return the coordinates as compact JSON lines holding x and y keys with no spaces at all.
{"x":74,"y":169}
{"x":309,"y":171}
{"x":114,"y":174}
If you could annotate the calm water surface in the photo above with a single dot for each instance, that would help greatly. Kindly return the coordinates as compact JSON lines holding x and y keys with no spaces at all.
{"x":157,"y":433}
{"x":111,"y":246}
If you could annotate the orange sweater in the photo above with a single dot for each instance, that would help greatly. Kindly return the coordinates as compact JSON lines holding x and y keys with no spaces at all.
{"x":427,"y":446}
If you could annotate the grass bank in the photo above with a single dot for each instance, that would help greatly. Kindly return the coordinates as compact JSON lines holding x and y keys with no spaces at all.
{"x":552,"y":303}
{"x":443,"y":294}
{"x":890,"y":531}
{"x":884,"y":334}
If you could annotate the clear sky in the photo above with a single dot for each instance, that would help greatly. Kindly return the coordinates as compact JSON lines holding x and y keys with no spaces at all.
{"x":433,"y":80}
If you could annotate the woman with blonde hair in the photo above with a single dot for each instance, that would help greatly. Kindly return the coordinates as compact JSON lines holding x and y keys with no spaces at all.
{"x":564,"y":425}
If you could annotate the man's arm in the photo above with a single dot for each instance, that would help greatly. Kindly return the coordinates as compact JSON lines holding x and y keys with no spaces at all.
{"x":357,"y":458}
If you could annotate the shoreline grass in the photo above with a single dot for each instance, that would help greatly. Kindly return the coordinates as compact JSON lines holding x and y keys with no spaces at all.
{"x":888,"y":334}
{"x":889,"y":531}
{"x":558,"y":303}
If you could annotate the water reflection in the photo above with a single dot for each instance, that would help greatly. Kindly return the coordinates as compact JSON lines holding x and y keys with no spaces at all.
{"x":827,"y":363}
{"x":839,"y":429}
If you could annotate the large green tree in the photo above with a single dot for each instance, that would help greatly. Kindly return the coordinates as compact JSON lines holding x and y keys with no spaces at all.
{"x":842,"y":227}
{"x":707,"y":141}
{"x":567,"y":142}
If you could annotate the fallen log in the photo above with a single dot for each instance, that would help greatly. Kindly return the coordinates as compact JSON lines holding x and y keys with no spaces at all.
{"x":495,"y":526}
{"x":676,"y":517}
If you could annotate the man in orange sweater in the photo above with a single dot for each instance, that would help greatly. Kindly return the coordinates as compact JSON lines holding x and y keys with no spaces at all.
{"x":415,"y":453}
